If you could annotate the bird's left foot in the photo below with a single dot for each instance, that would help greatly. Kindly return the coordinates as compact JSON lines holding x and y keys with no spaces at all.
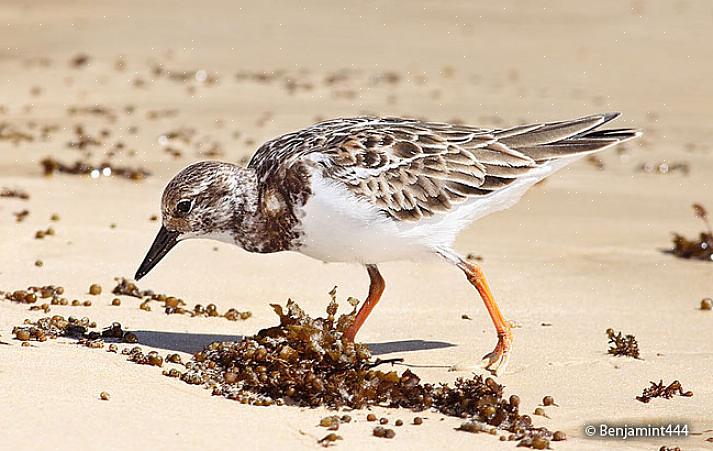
{"x":497,"y":361}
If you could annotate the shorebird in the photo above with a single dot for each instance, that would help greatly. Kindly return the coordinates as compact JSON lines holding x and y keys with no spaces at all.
{"x":371,"y":190}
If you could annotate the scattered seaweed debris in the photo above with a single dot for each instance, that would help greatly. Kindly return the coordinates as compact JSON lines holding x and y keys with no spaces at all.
{"x":663,"y":391}
{"x":161,"y":114}
{"x":15,"y":193}
{"x":51,"y":166}
{"x":79,"y":60}
{"x":13,"y":135}
{"x":537,"y":439}
{"x":329,"y":439}
{"x":32,"y":294}
{"x":53,"y":327}
{"x":332,"y":422}
{"x":127,"y":288}
{"x":622,"y":345}
{"x":382,"y":432}
{"x":173,"y":305}
{"x":82,"y":140}
{"x":597,"y":162}
{"x":697,"y":249}
{"x":41,"y":234}
{"x":48,"y":292}
{"x":21,"y":215}
{"x":307,"y":362}
{"x":137,"y":355}
{"x":95,"y":110}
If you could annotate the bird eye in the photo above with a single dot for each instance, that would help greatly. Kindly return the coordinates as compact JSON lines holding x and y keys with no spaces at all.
{"x":184,"y":206}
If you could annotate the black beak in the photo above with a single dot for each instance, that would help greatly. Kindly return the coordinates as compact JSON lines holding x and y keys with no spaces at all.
{"x":164,"y":242}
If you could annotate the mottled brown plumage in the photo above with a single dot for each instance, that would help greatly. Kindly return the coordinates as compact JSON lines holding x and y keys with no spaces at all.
{"x":412,"y":169}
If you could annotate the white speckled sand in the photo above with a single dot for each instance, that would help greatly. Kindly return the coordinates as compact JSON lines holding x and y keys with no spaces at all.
{"x":581,"y":252}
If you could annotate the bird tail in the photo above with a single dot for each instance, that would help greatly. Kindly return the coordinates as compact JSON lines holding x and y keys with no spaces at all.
{"x":557,"y":140}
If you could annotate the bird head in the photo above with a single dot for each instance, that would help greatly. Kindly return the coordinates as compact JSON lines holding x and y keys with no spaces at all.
{"x":201,"y":201}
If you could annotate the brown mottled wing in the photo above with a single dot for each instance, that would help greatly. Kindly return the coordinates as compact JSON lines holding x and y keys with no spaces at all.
{"x":412,"y":169}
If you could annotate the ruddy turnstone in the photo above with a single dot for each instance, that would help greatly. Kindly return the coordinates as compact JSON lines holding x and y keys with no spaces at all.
{"x":370,"y":190}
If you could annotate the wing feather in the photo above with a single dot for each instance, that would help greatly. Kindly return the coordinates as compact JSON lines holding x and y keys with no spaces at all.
{"x":412,"y":169}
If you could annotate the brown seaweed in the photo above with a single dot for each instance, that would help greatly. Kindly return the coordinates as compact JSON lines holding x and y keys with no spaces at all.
{"x":172,"y":304}
{"x":663,"y":391}
{"x":51,"y":166}
{"x":700,"y":248}
{"x":622,"y":345}
{"x":14,"y":193}
{"x":307,"y":362}
{"x":79,"y":329}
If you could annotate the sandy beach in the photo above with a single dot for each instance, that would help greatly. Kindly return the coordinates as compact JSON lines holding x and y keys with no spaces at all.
{"x":158,"y":85}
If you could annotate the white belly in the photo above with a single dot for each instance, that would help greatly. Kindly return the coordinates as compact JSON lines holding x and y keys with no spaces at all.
{"x":338,"y":227}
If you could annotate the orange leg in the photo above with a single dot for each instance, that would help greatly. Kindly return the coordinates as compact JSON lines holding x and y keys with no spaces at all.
{"x":496,"y":361}
{"x":376,"y":288}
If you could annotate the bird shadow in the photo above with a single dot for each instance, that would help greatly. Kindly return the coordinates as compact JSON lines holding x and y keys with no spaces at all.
{"x":192,"y":342}
{"x":389,"y":347}
{"x":181,"y":341}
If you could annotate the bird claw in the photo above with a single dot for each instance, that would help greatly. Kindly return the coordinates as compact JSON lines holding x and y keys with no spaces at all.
{"x":497,"y":360}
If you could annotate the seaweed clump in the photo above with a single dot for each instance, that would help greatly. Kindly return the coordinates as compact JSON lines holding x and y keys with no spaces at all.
{"x":14,"y":193}
{"x":32,"y":294}
{"x":172,"y":304}
{"x":51,"y":166}
{"x":127,"y":288}
{"x":53,"y":327}
{"x":663,"y":391}
{"x":307,"y":362}
{"x":622,"y":345}
{"x":700,"y":248}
